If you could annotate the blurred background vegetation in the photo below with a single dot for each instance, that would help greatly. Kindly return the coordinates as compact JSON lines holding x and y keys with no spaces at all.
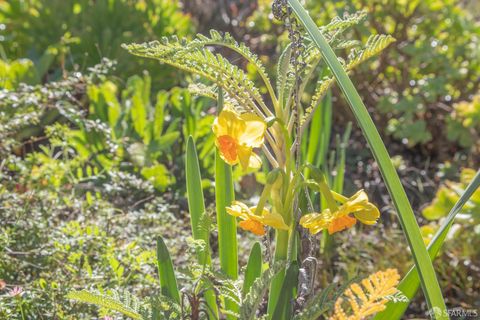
{"x":92,"y":139}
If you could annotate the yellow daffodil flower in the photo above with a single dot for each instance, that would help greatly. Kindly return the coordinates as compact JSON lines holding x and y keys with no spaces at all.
{"x":358,"y":205}
{"x":255,"y":223}
{"x":236,"y":135}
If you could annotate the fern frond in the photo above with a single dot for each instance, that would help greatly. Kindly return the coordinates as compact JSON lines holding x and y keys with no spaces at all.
{"x":340,"y":24}
{"x":347,"y":44}
{"x":165,"y":308}
{"x":229,"y":290}
{"x":124,"y":303}
{"x":202,"y":90}
{"x":320,"y":91}
{"x":255,"y":296}
{"x":226,"y":40}
{"x":323,"y":301}
{"x":194,"y":58}
{"x":368,"y":298}
{"x":205,"y":223}
{"x":283,"y":68}
{"x":375,"y":44}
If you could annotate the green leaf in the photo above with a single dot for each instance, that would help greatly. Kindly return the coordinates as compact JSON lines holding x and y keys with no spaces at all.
{"x":283,"y":309}
{"x":410,"y":283}
{"x":227,"y":224}
{"x":430,"y":285}
{"x":196,"y":203}
{"x":254,"y":268}
{"x":168,"y":282}
{"x":196,"y":206}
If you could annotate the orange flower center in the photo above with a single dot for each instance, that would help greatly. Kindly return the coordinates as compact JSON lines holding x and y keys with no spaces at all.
{"x":341,"y":223}
{"x":252,"y":226}
{"x":228,"y":147}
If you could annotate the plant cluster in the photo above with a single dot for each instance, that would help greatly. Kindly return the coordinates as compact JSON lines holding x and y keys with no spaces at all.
{"x":245,"y":122}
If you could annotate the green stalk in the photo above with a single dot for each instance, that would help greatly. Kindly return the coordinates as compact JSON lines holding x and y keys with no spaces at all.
{"x":196,"y":206}
{"x":430,"y":286}
{"x":281,"y":240}
{"x":227,"y":225}
{"x":410,"y":283}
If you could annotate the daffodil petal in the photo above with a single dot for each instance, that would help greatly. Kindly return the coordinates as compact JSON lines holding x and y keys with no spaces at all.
{"x":255,"y":161}
{"x":315,"y":222}
{"x":228,"y":123}
{"x":244,"y":154}
{"x":341,"y":223}
{"x":253,"y":226}
{"x":238,"y":209}
{"x":254,"y":130}
{"x":274,"y":220}
{"x":369,"y":215}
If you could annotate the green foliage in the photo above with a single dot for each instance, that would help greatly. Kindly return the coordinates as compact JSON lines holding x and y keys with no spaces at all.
{"x":16,"y":72}
{"x":168,"y":282}
{"x":463,"y":124}
{"x":123,"y":126}
{"x":410,"y":283}
{"x":82,"y":32}
{"x":193,"y":56}
{"x":255,"y":295}
{"x":448,"y":194}
{"x":124,"y":303}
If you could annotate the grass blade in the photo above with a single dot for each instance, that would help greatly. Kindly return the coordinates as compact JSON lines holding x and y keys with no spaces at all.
{"x":410,"y":283}
{"x":168,"y":282}
{"x":429,"y":282}
{"x":196,"y":206}
{"x":227,"y":225}
{"x":254,"y":268}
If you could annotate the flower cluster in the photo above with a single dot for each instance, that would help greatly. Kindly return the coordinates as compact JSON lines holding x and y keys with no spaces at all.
{"x":236,"y":137}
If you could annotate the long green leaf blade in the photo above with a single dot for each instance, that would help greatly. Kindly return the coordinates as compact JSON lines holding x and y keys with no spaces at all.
{"x":227,"y":225}
{"x":254,"y":268}
{"x":168,"y":282}
{"x":196,"y":206}
{"x":196,"y":202}
{"x":429,"y":282}
{"x":283,"y":309}
{"x":410,"y":283}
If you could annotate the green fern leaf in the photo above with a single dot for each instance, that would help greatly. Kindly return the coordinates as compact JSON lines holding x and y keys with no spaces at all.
{"x":194,"y":57}
{"x":340,"y":24}
{"x":124,"y":303}
{"x":375,"y":44}
{"x":255,"y":296}
{"x":165,"y":308}
{"x":320,"y":303}
{"x":226,"y":40}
